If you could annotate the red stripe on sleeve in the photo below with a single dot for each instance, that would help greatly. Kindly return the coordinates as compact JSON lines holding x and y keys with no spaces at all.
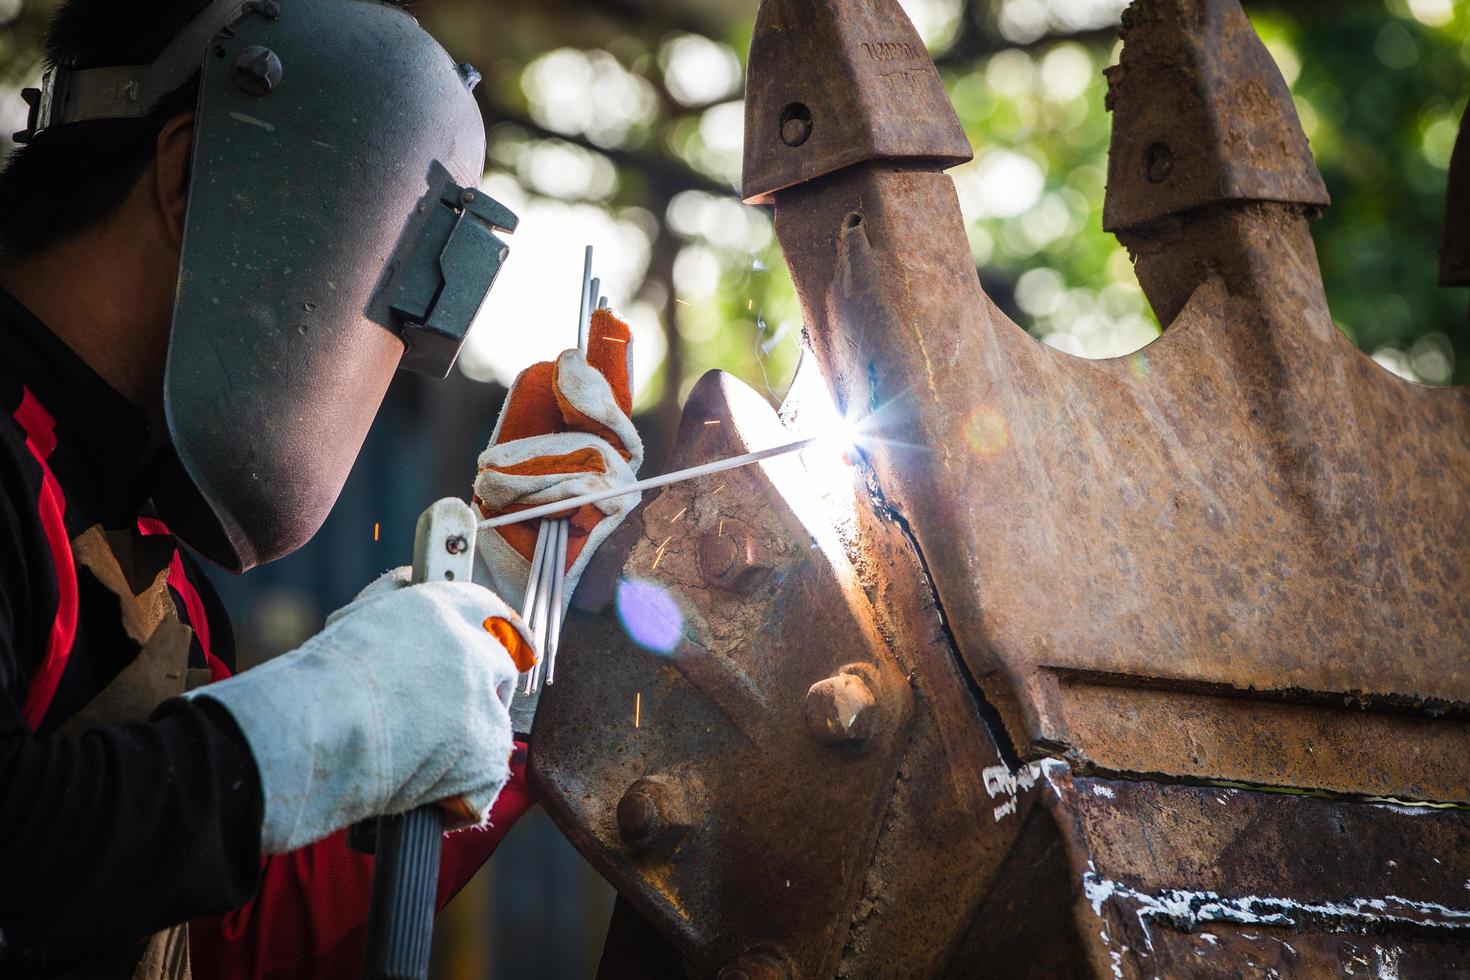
{"x":40,"y":430}
{"x":178,"y":577}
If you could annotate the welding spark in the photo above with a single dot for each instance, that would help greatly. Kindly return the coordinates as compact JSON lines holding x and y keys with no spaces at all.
{"x":712,"y":422}
{"x":658,"y":555}
{"x":615,"y":340}
{"x":678,"y":515}
{"x":637,"y":709}
{"x":376,"y":529}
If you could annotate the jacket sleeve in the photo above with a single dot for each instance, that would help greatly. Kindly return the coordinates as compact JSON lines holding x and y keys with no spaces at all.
{"x":108,"y":836}
{"x":127,"y":829}
{"x":309,"y":919}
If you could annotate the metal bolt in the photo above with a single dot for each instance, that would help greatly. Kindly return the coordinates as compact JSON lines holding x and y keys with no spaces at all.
{"x":796,"y":124}
{"x":258,"y":71}
{"x":456,"y":544}
{"x":1158,"y":161}
{"x":468,"y":74}
{"x":717,"y":555}
{"x":757,"y":965}
{"x":841,"y":709}
{"x":638,"y":820}
{"x":727,"y":559}
{"x":652,"y":815}
{"x":468,"y":197}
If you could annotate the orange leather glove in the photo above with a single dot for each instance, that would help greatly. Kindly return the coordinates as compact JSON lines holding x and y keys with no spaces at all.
{"x":566,"y":429}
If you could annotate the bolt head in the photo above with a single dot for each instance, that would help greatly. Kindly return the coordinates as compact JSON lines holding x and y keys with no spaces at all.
{"x":455,"y":544}
{"x":717,"y":556}
{"x":258,"y":70}
{"x":653,"y":815}
{"x":757,"y":965}
{"x":638,"y":819}
{"x":468,"y":74}
{"x":727,"y":559}
{"x":841,"y":710}
{"x":796,"y":124}
{"x":1158,"y":162}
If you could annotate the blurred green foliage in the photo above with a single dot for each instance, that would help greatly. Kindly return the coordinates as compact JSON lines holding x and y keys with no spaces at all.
{"x":640,"y":103}
{"x":1380,"y":94}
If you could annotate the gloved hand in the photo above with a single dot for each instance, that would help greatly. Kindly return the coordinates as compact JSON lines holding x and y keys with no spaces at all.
{"x":400,"y":701}
{"x":566,"y":429}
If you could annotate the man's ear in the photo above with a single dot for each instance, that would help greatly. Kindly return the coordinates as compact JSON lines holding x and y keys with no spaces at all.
{"x":171,"y":173}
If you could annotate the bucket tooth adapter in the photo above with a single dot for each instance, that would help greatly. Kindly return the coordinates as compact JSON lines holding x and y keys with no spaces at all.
{"x":1151,"y":666}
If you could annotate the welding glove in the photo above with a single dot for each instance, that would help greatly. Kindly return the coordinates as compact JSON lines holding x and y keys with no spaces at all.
{"x":566,"y":429}
{"x":400,"y":701}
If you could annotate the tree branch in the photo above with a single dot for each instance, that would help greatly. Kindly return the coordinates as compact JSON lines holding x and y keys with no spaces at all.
{"x":665,"y":171}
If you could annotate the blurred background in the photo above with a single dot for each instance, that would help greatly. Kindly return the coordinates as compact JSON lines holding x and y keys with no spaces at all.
{"x":618,"y":123}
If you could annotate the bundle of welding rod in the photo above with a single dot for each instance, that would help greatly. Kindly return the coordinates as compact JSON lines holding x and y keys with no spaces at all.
{"x":542,"y":608}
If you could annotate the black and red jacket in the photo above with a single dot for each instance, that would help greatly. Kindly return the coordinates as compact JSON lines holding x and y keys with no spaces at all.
{"x":126,"y":829}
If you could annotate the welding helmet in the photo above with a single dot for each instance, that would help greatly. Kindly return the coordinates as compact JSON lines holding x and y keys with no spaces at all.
{"x":334,"y":234}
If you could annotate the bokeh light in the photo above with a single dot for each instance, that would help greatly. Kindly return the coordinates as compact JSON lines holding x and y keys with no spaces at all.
{"x":649,"y":615}
{"x":986,"y":431}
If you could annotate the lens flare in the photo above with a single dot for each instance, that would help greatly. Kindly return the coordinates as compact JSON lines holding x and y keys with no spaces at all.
{"x":986,"y":431}
{"x":649,"y":615}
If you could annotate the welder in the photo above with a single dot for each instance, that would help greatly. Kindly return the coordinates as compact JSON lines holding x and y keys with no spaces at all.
{"x":227,"y":225}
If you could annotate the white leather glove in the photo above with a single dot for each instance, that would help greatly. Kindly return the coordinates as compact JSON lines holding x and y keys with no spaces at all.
{"x":400,"y":701}
{"x":566,"y":429}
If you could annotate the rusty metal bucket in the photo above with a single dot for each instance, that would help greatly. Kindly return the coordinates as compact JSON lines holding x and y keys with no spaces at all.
{"x":1150,"y":666}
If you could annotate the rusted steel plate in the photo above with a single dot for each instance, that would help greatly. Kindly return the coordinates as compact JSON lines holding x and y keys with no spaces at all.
{"x":1247,"y":506}
{"x":884,"y":100}
{"x":1119,"y":726}
{"x":1241,"y":554}
{"x":950,"y":809}
{"x":1200,"y":116}
{"x":1215,"y":882}
{"x":724,"y":740}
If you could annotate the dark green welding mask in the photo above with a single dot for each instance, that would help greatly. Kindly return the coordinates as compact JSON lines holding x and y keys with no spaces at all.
{"x":334,"y":234}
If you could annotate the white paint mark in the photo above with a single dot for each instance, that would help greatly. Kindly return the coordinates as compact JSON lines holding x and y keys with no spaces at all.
{"x":1000,"y":781}
{"x":1386,"y":963}
{"x":252,"y":121}
{"x":1187,"y":910}
{"x":1098,"y":789}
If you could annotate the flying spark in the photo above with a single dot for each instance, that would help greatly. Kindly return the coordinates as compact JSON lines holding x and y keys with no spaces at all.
{"x":658,"y":556}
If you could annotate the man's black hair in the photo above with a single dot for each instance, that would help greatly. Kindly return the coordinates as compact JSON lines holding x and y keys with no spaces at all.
{"x":72,"y":177}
